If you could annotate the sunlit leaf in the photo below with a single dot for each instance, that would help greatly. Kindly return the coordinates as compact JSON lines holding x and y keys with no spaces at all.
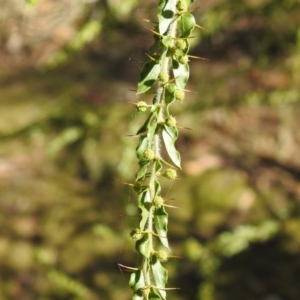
{"x":154,"y":295}
{"x":170,"y":135}
{"x":148,"y":76}
{"x":150,"y":121}
{"x":166,"y":41}
{"x":137,"y":281}
{"x":166,"y":12}
{"x":143,"y":246}
{"x":186,"y":24}
{"x":181,"y":73}
{"x":160,"y":276}
{"x":161,"y":225}
{"x":144,"y":202}
{"x":142,"y":170}
{"x":157,"y":187}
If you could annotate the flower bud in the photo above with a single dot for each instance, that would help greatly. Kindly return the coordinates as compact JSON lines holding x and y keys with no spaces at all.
{"x":158,"y":201}
{"x":136,"y":234}
{"x":148,"y":154}
{"x":181,"y":5}
{"x":179,"y":95}
{"x":162,"y":255}
{"x":171,"y":87}
{"x":180,"y":44}
{"x":183,"y":59}
{"x":170,"y":174}
{"x":171,"y":122}
{"x":164,"y":77}
{"x":141,"y":106}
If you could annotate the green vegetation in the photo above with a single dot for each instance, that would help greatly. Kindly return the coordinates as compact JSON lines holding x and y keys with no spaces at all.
{"x":66,"y":214}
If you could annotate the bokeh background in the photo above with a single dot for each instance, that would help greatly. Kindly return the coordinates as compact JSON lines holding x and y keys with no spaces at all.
{"x":67,"y":73}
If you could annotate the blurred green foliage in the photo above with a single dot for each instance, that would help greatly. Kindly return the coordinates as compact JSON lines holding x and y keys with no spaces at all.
{"x":64,"y":153}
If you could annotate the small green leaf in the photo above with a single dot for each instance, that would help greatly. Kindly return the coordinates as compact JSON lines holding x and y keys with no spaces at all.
{"x":154,"y":295}
{"x":170,"y":135}
{"x":143,"y":245}
{"x":137,"y":296}
{"x":161,"y":225}
{"x":160,"y":276}
{"x":158,"y":166}
{"x":186,"y":24}
{"x":144,"y":203}
{"x":181,"y":73}
{"x":149,"y":122}
{"x":187,"y":47}
{"x":145,"y":217}
{"x":157,"y":187}
{"x":166,"y":12}
{"x":169,"y":98}
{"x":142,"y":146}
{"x":142,"y":170}
{"x":136,"y":280}
{"x":166,"y":41}
{"x":148,"y":76}
{"x":144,"y":198}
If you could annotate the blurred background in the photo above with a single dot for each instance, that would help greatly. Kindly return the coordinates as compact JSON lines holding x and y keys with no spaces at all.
{"x":67,"y":68}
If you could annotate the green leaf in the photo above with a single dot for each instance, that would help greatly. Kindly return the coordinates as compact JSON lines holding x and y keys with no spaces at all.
{"x":158,"y":166}
{"x":166,"y":12}
{"x":144,"y":203}
{"x":150,"y":121}
{"x":137,"y":296}
{"x":166,"y":41}
{"x":143,"y":245}
{"x":187,"y":47}
{"x":169,"y":98}
{"x":157,"y":187}
{"x":181,"y":74}
{"x":144,"y":198}
{"x":170,"y":135}
{"x":186,"y":24}
{"x":161,"y":225}
{"x":154,"y":295}
{"x":148,"y":76}
{"x":142,"y":170}
{"x":160,"y":276}
{"x":142,"y":146}
{"x":137,"y":280}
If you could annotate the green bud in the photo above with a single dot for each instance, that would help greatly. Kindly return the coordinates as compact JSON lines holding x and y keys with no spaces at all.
{"x":170,"y":174}
{"x":171,"y":122}
{"x":141,"y":106}
{"x":158,"y":201}
{"x":181,"y":5}
{"x":162,"y":255}
{"x":136,"y":234}
{"x":180,"y":44}
{"x":178,"y":53}
{"x":164,"y":77}
{"x":148,"y":154}
{"x":179,"y":95}
{"x":183,"y":59}
{"x":171,"y":87}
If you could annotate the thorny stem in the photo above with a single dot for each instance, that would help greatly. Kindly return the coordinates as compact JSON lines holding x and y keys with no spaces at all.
{"x":156,"y":145}
{"x":168,"y":70}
